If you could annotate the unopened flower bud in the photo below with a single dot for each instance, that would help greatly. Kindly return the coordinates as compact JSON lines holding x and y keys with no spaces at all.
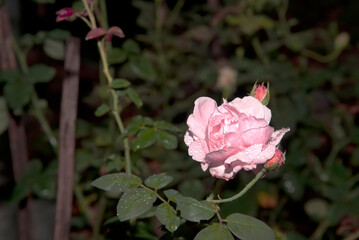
{"x":276,"y":162}
{"x":64,"y":14}
{"x":261,"y":93}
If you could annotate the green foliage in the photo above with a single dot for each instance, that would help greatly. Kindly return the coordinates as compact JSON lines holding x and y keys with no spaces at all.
{"x":37,"y":180}
{"x":248,"y":228}
{"x":102,"y":110}
{"x":135,"y":202}
{"x":168,"y":217}
{"x":194,"y":210}
{"x":214,"y":232}
{"x":117,"y":182}
{"x":17,"y":94}
{"x":40,"y":73}
{"x":158,"y":181}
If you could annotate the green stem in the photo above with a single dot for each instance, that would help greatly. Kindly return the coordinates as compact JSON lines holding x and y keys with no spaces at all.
{"x":244,"y":190}
{"x":106,"y":71}
{"x":159,"y":196}
{"x":103,"y":10}
{"x":321,"y":58}
{"x":320,"y":230}
{"x":99,"y":218}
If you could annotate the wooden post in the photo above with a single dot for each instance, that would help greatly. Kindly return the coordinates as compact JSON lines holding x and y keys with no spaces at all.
{"x":67,"y":140}
{"x":17,"y":134}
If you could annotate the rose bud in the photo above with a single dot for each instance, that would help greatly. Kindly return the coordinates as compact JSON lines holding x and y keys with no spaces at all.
{"x":261,"y":93}
{"x":64,"y":14}
{"x":276,"y":162}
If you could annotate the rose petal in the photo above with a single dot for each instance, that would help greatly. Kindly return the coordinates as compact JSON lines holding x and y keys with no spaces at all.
{"x":197,"y":122}
{"x":255,"y":136}
{"x":278,"y":135}
{"x":197,"y":150}
{"x":251,"y":107}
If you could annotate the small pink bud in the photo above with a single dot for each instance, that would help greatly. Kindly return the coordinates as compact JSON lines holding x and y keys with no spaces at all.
{"x":261,"y":93}
{"x":276,"y":162}
{"x":64,"y":14}
{"x":95,"y":33}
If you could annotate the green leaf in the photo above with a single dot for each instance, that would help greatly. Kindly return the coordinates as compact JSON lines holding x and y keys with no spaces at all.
{"x":134,"y":126}
{"x":158,"y":181}
{"x":135,"y":202}
{"x":40,"y":73}
{"x":169,"y":141}
{"x":192,"y":188}
{"x":117,"y":182}
{"x":59,"y":34}
{"x":168,"y":217}
{"x":135,"y":98}
{"x":17,"y":94}
{"x":102,"y":110}
{"x":54,"y":48}
{"x":171,"y":194}
{"x":142,"y":67}
{"x":120,"y":83}
{"x":215,"y":232}
{"x":144,"y":139}
{"x":23,"y":187}
{"x":163,"y":125}
{"x":117,"y":56}
{"x":4,"y":117}
{"x":131,"y":46}
{"x":9,"y":75}
{"x":194,"y":210}
{"x":249,"y":228}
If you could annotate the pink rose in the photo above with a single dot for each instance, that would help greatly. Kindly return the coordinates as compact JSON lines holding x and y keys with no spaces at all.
{"x":231,"y":137}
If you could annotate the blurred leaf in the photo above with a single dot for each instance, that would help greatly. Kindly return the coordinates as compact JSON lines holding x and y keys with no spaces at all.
{"x":194,"y":210}
{"x":85,"y":159}
{"x":158,"y":181}
{"x":17,"y":94}
{"x":58,"y":34}
{"x":144,"y":139}
{"x":248,"y":228}
{"x":116,"y":56}
{"x":4,"y":116}
{"x":54,"y":48}
{"x":142,"y":67}
{"x":40,"y":73}
{"x":120,"y":83}
{"x":169,"y":141}
{"x":317,"y":209}
{"x":295,"y":236}
{"x":102,"y":110}
{"x":163,"y":125}
{"x":135,"y":98}
{"x":114,"y":163}
{"x":134,"y":126}
{"x":117,"y":182}
{"x":23,"y":187}
{"x":336,"y":212}
{"x":214,"y":232}
{"x":9,"y":75}
{"x":251,"y":23}
{"x":192,"y":188}
{"x":44,"y":185}
{"x":168,"y":217}
{"x":131,"y":46}
{"x":135,"y":202}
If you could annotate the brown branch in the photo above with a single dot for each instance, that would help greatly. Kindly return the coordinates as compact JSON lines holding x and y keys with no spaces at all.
{"x":17,"y":134}
{"x":67,"y":140}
